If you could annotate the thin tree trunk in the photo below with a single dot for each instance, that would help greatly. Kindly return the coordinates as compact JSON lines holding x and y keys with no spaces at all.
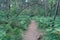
{"x":8,"y":8}
{"x":46,"y":6}
{"x":57,"y":7}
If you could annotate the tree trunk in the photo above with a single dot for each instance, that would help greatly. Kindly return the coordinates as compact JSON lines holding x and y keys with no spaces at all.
{"x":45,"y":7}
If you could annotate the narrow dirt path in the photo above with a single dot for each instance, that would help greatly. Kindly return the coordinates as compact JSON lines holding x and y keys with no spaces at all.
{"x":32,"y":32}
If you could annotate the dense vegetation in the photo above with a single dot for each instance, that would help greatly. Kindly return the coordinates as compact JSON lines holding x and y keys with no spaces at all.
{"x":15,"y":16}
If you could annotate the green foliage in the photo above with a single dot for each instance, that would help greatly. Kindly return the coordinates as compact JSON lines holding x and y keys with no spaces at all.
{"x":13,"y":28}
{"x":3,"y":15}
{"x":45,"y":24}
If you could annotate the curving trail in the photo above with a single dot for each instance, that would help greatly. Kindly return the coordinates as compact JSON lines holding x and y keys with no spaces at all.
{"x":32,"y":32}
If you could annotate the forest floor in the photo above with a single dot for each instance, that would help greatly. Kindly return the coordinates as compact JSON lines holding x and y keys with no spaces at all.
{"x":32,"y":31}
